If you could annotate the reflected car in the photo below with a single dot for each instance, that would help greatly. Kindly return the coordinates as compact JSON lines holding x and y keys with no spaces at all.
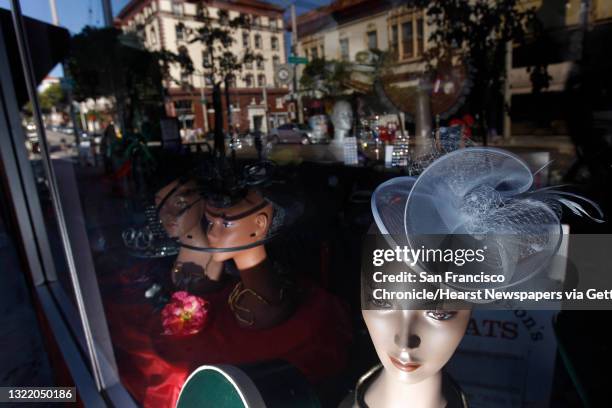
{"x":65,"y":129}
{"x":291,"y":133}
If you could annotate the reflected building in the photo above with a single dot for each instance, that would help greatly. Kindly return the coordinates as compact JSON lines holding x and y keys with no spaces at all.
{"x":165,"y":24}
{"x":345,"y":29}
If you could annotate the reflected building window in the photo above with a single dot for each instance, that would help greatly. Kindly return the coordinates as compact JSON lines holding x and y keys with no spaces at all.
{"x":231,"y":81}
{"x":257,"y":41}
{"x":275,"y":61}
{"x":248,"y":81}
{"x":394,"y":41}
{"x":246,"y":39}
{"x":177,"y":8}
{"x":201,"y":11}
{"x":420,"y":36}
{"x":274,"y":43}
{"x":152,"y":36}
{"x":372,"y":40}
{"x":206,"y":60}
{"x":261,"y":80}
{"x":183,"y":106}
{"x":344,"y":49}
{"x":260,"y":64}
{"x":407,"y":40}
{"x":180,"y":31}
{"x":314,"y":53}
{"x":140,"y":32}
{"x":409,"y":26}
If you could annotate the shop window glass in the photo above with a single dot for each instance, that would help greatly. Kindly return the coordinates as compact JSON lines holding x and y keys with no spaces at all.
{"x":136,"y":156}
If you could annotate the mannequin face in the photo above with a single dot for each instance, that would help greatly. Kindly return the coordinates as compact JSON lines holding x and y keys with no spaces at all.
{"x":415,"y":344}
{"x":342,"y":116}
{"x":182,"y":211}
{"x":242,"y":224}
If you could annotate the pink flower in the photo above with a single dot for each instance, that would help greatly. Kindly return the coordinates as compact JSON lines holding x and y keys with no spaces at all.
{"x":184,"y":314}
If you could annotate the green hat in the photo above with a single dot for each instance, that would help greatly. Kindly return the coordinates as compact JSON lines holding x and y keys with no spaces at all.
{"x":264,"y":385}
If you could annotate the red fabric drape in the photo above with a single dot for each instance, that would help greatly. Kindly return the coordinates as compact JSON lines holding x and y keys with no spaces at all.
{"x":153,"y":366}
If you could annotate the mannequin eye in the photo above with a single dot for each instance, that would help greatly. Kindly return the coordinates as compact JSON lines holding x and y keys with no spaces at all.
{"x":380,"y":303}
{"x":227,"y":224}
{"x":440,"y":314}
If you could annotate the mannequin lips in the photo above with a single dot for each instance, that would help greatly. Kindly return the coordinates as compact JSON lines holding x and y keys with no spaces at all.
{"x":406,"y":367}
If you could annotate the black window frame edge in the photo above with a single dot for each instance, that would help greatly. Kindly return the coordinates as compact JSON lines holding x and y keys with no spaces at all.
{"x":60,"y":313}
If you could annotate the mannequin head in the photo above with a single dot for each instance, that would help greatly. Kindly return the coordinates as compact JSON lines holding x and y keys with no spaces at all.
{"x":246,"y":222}
{"x":182,"y":208}
{"x":342,"y":116}
{"x":414,"y":345}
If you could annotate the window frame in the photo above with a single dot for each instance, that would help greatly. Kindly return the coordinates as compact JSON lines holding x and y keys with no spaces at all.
{"x":82,"y":347}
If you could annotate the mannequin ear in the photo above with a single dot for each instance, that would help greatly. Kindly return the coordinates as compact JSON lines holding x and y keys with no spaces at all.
{"x":261,"y":221}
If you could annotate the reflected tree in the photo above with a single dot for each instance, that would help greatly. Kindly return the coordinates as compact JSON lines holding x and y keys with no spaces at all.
{"x":325,"y":78}
{"x":478,"y":31}
{"x":104,"y":62}
{"x":222,"y":64}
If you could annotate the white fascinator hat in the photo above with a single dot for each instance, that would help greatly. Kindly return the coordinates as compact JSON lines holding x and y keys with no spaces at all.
{"x":480,"y":194}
